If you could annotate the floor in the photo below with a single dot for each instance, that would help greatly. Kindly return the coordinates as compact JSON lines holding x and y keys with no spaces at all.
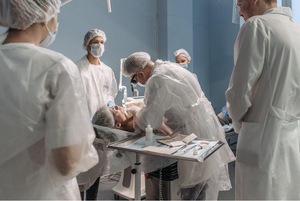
{"x":229,"y":195}
{"x":107,"y":183}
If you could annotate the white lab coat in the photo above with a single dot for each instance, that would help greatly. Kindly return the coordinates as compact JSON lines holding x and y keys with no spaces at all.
{"x":174,"y":93}
{"x":101,"y":87}
{"x":43,"y":107}
{"x":99,"y":82}
{"x":263,"y":102}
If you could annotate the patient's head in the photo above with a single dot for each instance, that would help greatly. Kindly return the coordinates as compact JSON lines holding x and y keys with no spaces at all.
{"x":113,"y":117}
{"x":119,"y":115}
{"x":103,"y":117}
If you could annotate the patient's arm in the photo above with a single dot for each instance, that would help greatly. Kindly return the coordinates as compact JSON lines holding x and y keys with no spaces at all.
{"x":66,"y":158}
{"x":164,"y":129}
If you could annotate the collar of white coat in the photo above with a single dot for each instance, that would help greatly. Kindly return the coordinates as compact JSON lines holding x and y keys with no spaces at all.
{"x":280,"y":10}
{"x":161,"y":62}
{"x":88,"y":64}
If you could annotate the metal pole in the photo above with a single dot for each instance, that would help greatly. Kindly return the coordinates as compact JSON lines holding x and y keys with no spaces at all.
{"x":137,"y":190}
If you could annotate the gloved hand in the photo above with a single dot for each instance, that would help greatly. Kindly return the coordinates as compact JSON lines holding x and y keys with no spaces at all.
{"x":111,"y":104}
{"x":224,"y":112}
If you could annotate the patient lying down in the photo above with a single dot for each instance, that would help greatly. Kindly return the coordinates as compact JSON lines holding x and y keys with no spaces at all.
{"x":121,"y":118}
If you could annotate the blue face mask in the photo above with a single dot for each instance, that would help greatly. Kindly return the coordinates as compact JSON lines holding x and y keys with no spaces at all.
{"x":50,"y":38}
{"x":184,"y":65}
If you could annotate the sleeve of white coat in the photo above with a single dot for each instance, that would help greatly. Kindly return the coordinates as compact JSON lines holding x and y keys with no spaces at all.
{"x":67,"y":120}
{"x":113,"y":88}
{"x":157,"y":101}
{"x":249,"y":58}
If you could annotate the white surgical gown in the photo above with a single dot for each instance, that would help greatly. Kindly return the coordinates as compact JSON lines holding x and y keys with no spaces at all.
{"x":264,"y":104}
{"x":99,"y":82}
{"x":174,"y":93}
{"x":43,"y":107}
{"x":101,"y":87}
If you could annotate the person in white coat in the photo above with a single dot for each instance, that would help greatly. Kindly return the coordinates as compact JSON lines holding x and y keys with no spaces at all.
{"x":263,"y":101}
{"x":174,"y":94}
{"x":98,"y":78}
{"x":101,"y":89}
{"x":46,"y":136}
{"x":182,"y":57}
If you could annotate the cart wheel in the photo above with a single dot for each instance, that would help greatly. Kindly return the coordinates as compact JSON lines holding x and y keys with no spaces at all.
{"x":116,"y":197}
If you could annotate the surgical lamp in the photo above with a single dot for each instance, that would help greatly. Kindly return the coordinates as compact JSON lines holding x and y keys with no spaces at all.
{"x":108,"y":6}
{"x":122,"y":87}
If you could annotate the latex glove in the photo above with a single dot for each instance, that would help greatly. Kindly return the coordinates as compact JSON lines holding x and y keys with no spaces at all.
{"x":111,"y":104}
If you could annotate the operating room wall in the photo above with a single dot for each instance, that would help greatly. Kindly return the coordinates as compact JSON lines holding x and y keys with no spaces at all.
{"x":184,"y":24}
{"x":201,"y":43}
{"x":222,"y":35}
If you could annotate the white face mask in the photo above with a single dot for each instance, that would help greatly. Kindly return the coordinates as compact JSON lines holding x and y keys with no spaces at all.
{"x":97,"y":50}
{"x":50,"y":37}
{"x":141,"y":85}
{"x":184,"y":65}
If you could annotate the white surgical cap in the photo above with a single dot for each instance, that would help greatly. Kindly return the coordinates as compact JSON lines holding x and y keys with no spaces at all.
{"x":92,"y":34}
{"x":103,"y":117}
{"x":135,"y":62}
{"x":182,"y":52}
{"x":21,"y":14}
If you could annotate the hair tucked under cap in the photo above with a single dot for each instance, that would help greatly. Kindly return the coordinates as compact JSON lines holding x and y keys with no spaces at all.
{"x":182,"y":52}
{"x":135,"y":62}
{"x":21,"y":14}
{"x":92,"y":34}
{"x":103,"y":117}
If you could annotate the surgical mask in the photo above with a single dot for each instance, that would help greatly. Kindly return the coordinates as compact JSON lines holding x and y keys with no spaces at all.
{"x":133,"y":85}
{"x":97,"y":49}
{"x":141,"y":85}
{"x":50,"y":37}
{"x":134,"y":82}
{"x":184,"y":65}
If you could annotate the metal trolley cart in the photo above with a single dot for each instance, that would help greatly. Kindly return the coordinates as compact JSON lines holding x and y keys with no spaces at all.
{"x":192,"y":151}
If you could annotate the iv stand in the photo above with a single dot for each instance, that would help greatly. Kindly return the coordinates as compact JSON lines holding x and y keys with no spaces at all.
{"x":137,"y":172}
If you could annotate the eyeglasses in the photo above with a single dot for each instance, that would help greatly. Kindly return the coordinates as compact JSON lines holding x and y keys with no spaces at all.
{"x":133,"y":81}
